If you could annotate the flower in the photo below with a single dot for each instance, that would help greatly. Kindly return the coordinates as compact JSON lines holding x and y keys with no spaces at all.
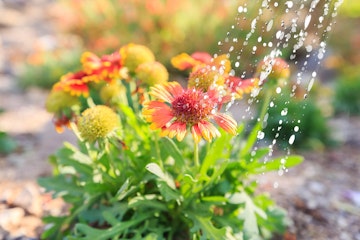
{"x":152,"y":73}
{"x":204,"y":77}
{"x":132,"y":55}
{"x":106,"y":68}
{"x":59,"y":100}
{"x":97,"y":122}
{"x":73,"y":83}
{"x":184,"y":61}
{"x":273,"y":68}
{"x":176,"y":110}
{"x":111,"y":92}
{"x":239,"y":87}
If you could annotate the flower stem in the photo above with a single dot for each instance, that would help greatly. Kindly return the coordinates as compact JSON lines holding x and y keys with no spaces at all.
{"x":196,"y":154}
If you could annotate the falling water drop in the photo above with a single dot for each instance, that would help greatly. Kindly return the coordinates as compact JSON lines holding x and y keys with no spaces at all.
{"x":260,"y":135}
{"x":269,"y":25}
{"x":284,"y":112}
{"x":311,"y":83}
{"x":307,"y":21}
{"x":291,"y":139}
{"x":289,"y":4}
{"x":278,"y":90}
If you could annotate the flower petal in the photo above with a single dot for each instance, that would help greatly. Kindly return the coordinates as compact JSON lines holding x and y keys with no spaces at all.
{"x":196,"y":133}
{"x":226,"y":122}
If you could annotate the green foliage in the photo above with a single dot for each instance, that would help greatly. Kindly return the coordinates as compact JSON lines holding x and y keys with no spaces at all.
{"x":46,"y":68}
{"x":299,"y":117}
{"x":132,"y":193}
{"x":347,"y":88}
{"x":132,"y":184}
{"x":7,"y":144}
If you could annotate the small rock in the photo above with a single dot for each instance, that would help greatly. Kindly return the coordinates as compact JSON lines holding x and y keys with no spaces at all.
{"x":11,"y":218}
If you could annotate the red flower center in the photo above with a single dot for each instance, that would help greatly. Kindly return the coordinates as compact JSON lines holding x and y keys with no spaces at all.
{"x":192,"y":106}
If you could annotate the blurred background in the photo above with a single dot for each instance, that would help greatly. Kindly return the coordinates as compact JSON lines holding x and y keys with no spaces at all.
{"x":40,"y":40}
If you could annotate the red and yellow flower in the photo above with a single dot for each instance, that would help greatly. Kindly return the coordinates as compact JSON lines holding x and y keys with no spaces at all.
{"x":176,"y":111}
{"x":73,"y":83}
{"x":106,"y":68}
{"x":237,"y":87}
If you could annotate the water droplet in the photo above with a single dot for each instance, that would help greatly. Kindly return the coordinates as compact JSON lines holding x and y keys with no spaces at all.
{"x":307,"y":21}
{"x":284,"y":112}
{"x":276,"y":184}
{"x":271,"y":104}
{"x":269,"y":25}
{"x":260,"y":135}
{"x":237,"y":64}
{"x":296,"y":128}
{"x":280,"y":34}
{"x":291,"y":139}
{"x":289,"y":4}
{"x":259,"y":39}
{"x":311,"y":83}
{"x":278,"y":90}
{"x":308,"y":48}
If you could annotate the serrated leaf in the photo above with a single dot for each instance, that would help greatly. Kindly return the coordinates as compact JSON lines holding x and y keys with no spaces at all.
{"x":172,"y":149}
{"x":147,"y":201}
{"x":277,"y":163}
{"x":206,"y":227}
{"x":61,"y":185}
{"x":167,"y":192}
{"x":105,"y":234}
{"x":156,"y":170}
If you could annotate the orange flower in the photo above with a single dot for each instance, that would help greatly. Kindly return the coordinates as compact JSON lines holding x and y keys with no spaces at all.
{"x":273,"y":69}
{"x":184,"y":61}
{"x":105,"y":68}
{"x":73,"y":83}
{"x":177,"y":110}
{"x":239,"y":87}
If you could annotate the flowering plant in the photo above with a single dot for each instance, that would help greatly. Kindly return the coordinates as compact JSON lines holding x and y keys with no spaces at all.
{"x":150,"y":162}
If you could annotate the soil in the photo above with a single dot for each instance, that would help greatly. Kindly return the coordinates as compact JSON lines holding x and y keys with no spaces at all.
{"x":322,"y":195}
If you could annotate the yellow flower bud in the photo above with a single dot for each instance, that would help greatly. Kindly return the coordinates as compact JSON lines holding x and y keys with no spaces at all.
{"x":152,"y":73}
{"x":111,"y":92}
{"x":132,"y":55}
{"x":97,"y":123}
{"x":205,"y":76}
{"x":59,"y":100}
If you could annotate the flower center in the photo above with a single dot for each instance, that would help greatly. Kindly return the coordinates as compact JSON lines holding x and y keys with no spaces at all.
{"x":192,"y":106}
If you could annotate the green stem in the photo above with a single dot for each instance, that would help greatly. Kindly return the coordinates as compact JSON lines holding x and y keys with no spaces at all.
{"x":259,"y":125}
{"x":157,"y":148}
{"x":265,"y":105}
{"x":196,"y":154}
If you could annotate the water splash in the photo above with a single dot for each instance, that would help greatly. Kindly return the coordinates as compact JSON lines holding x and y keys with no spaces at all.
{"x":267,"y":29}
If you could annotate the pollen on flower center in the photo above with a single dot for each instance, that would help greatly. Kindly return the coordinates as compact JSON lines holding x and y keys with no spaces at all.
{"x":192,"y":106}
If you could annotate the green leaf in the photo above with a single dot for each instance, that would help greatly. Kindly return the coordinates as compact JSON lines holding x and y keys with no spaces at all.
{"x":205,"y":226}
{"x":251,"y":139}
{"x":219,"y":149}
{"x":124,"y":191}
{"x":167,"y":192}
{"x":147,"y":201}
{"x":172,"y":149}
{"x":105,"y":234}
{"x":156,"y":170}
{"x":61,"y":185}
{"x":277,"y":163}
